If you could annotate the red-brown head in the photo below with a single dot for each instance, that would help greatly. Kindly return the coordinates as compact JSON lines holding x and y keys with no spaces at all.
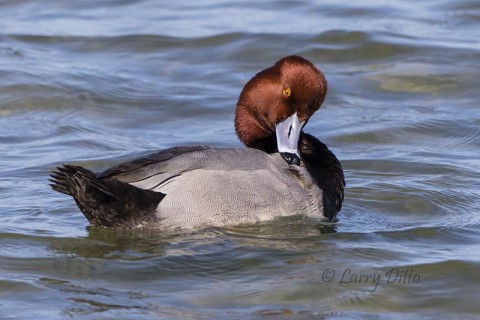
{"x":278,"y":102}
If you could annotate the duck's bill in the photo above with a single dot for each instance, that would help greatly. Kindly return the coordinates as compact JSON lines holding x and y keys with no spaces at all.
{"x":288,"y":134}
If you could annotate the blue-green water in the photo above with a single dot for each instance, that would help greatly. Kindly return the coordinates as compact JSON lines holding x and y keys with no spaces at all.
{"x":97,"y":83}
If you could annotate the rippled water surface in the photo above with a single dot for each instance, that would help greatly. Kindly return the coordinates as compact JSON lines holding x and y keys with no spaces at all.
{"x":96,"y":83}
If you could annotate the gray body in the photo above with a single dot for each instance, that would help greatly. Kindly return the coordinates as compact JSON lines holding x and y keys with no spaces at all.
{"x":222,"y":187}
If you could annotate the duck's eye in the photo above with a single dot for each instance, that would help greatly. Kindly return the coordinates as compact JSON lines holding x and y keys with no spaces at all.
{"x":287,"y":92}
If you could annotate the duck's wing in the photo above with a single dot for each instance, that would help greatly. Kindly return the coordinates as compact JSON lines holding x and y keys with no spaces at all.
{"x":126,"y":194}
{"x":154,"y":170}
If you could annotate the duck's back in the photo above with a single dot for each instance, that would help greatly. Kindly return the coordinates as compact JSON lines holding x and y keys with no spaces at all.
{"x":220,"y":187}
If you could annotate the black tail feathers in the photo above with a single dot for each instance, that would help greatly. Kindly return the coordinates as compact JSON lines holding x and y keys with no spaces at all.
{"x":106,"y":202}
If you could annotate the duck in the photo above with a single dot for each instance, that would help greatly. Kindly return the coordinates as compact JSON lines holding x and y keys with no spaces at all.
{"x":281,"y":171}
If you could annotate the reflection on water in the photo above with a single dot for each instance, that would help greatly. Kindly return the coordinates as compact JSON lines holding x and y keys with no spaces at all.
{"x":96,"y":84}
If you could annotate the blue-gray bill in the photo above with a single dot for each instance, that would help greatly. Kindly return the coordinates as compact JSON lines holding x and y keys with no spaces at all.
{"x":288,"y":134}
{"x":291,"y":158}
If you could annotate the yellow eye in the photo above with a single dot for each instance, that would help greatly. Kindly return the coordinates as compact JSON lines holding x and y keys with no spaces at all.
{"x":287,"y":92}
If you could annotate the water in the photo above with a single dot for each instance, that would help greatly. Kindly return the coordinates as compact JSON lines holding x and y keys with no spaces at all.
{"x":94,"y":84}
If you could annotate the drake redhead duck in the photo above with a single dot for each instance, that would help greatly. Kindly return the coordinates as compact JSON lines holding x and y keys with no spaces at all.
{"x":282,"y":171}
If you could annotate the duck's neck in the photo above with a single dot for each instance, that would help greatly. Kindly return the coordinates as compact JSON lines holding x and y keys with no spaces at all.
{"x":326,"y":170}
{"x":323,"y":166}
{"x":268,"y":144}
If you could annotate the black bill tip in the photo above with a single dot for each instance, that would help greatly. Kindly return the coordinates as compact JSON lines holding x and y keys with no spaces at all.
{"x":291,"y":158}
